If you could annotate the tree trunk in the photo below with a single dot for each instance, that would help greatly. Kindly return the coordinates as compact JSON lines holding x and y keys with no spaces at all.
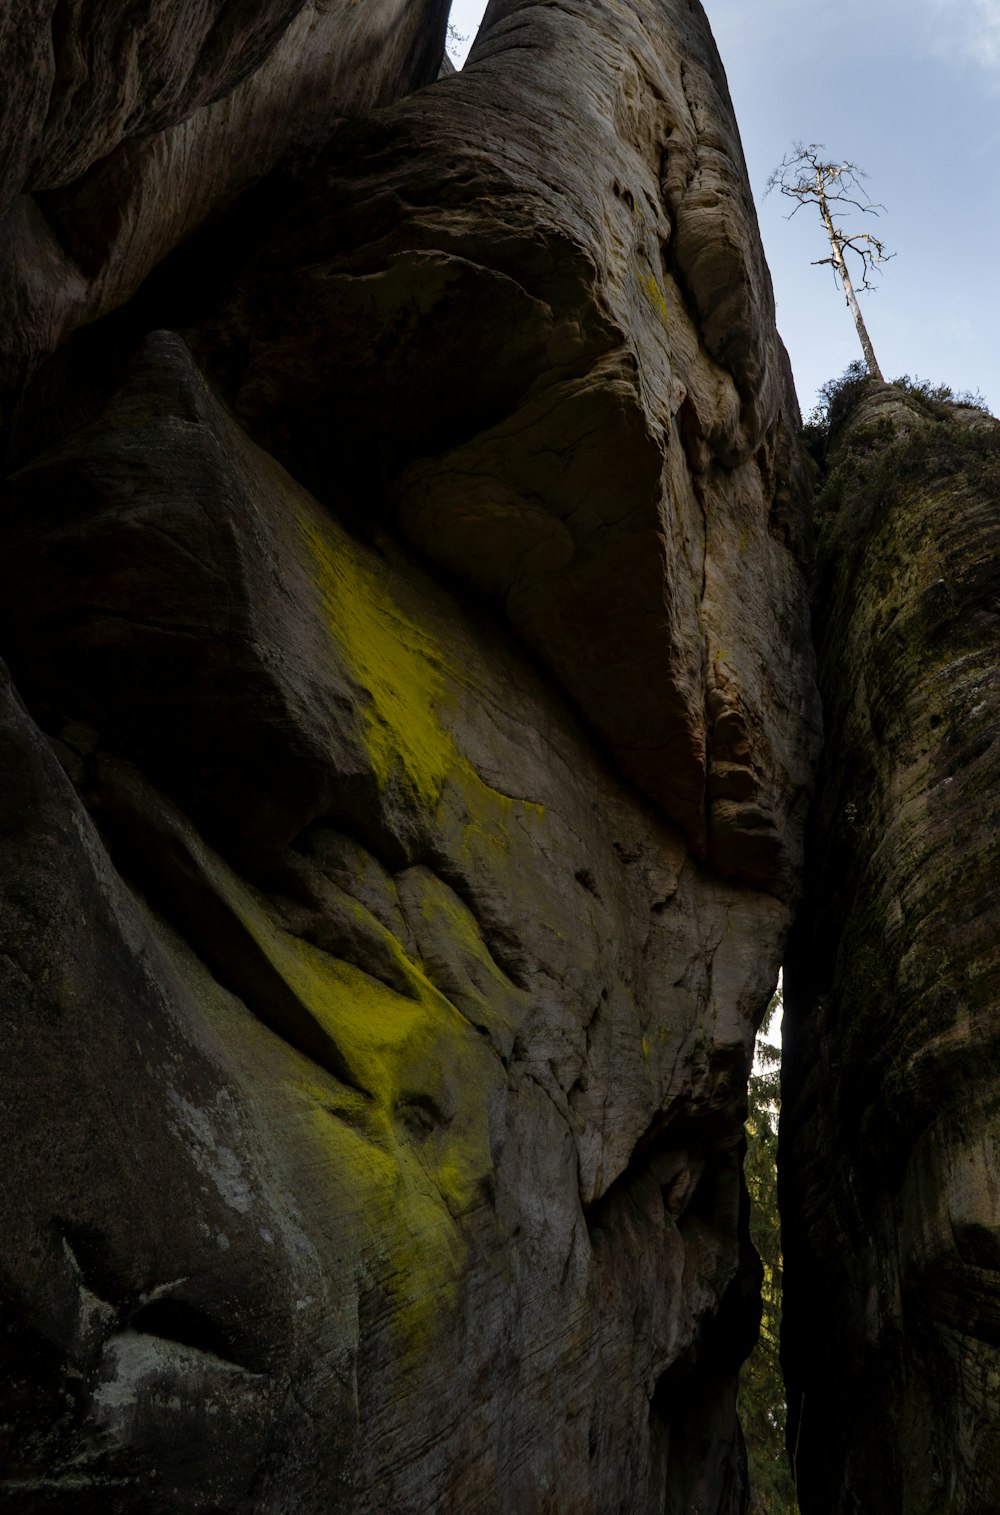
{"x":852,"y":299}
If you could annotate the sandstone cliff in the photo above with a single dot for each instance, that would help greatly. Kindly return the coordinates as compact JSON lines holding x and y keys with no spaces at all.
{"x":889,"y":1117}
{"x":405,"y":754}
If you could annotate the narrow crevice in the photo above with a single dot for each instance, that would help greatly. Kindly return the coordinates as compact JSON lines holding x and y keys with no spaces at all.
{"x":150,"y":837}
{"x":175,"y":1320}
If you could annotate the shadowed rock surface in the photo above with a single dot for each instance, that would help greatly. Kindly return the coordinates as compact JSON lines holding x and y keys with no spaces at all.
{"x":405,"y":756}
{"x":889,"y":1139}
{"x":158,"y":116}
{"x":617,"y":430}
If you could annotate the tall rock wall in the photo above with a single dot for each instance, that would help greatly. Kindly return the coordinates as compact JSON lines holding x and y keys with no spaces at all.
{"x":406,"y":747}
{"x":132,"y":126}
{"x":891,"y":1100}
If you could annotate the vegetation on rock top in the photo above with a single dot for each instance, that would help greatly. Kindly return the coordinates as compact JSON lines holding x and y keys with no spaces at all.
{"x":912,"y":432}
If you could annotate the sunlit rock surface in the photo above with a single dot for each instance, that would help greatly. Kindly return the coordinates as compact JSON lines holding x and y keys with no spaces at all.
{"x":405,"y":763}
{"x":891,"y":1095}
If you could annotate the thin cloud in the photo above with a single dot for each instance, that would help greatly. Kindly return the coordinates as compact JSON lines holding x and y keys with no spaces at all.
{"x":966,"y":32}
{"x":973,"y":36}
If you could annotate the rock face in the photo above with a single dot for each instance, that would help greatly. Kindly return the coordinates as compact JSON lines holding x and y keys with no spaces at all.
{"x":149,"y":119}
{"x":618,"y":427}
{"x":405,"y":755}
{"x":892,"y":1246}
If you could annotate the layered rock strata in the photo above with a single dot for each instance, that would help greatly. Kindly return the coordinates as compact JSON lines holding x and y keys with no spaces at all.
{"x":406,"y":749}
{"x":892,"y":1007}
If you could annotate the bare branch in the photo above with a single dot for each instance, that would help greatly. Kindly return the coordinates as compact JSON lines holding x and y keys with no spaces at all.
{"x":868,"y":206}
{"x":807,"y":177}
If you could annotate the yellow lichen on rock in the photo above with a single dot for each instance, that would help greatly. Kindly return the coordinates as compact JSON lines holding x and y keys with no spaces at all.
{"x":390,"y":1215}
{"x":416,"y":1159}
{"x":415,"y":1155}
{"x":397,"y":666}
{"x":656,"y":296}
{"x":406,"y":686}
{"x":406,"y":1143}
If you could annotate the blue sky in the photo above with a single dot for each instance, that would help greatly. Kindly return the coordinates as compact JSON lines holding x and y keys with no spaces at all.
{"x":909,"y":90}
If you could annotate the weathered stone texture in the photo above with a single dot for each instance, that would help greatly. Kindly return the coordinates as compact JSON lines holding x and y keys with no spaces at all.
{"x":164,"y":118}
{"x":485,"y":1001}
{"x":602,"y":438}
{"x":404,"y":784}
{"x":891,"y":1093}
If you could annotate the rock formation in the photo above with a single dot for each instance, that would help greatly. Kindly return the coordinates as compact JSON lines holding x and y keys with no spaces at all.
{"x":137,"y":125}
{"x":889,"y":1155}
{"x":406,"y":750}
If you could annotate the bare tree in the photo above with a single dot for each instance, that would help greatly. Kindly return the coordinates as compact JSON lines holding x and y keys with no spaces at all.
{"x":804,"y":176}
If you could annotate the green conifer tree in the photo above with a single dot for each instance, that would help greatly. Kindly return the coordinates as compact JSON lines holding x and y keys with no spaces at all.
{"x":762,"y":1390}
